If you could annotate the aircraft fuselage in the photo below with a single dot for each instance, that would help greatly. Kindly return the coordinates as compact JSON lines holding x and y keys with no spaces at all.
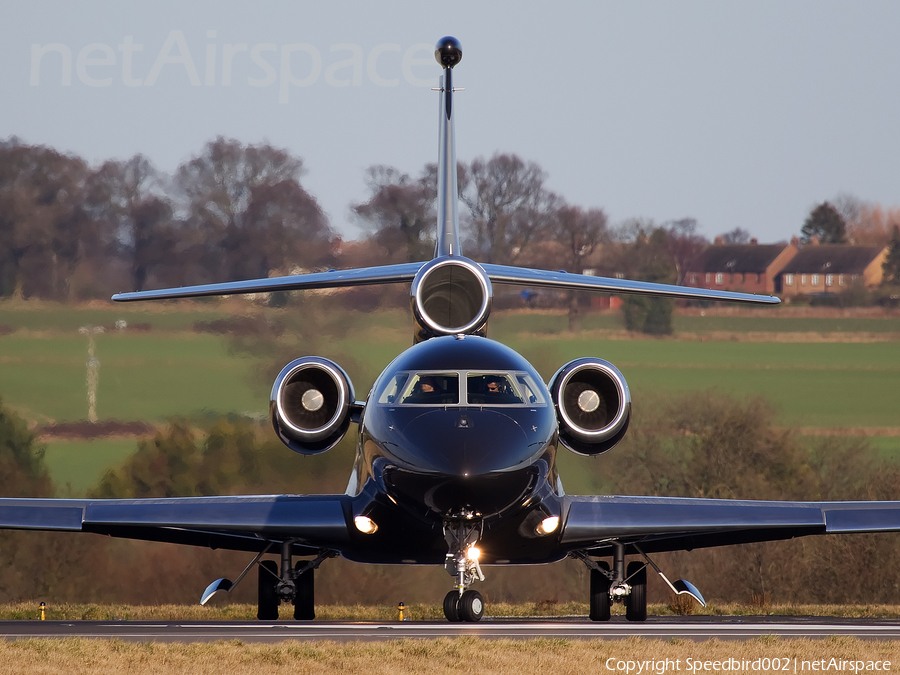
{"x":480,"y":443}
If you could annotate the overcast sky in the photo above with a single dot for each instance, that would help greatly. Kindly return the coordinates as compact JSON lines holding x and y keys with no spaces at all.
{"x":738,"y":114}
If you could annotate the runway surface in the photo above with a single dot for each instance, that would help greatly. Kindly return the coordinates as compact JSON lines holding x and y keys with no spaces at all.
{"x":690,"y":628}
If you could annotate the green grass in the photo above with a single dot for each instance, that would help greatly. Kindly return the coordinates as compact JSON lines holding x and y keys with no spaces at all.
{"x":507,"y":323}
{"x":77,"y":466}
{"x":157,"y":375}
{"x":46,"y":316}
{"x":887,"y":446}
{"x":811,"y":384}
{"x":777,"y":324}
{"x":142,"y":377}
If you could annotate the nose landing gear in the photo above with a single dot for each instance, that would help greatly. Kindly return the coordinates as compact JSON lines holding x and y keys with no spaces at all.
{"x":462,"y":531}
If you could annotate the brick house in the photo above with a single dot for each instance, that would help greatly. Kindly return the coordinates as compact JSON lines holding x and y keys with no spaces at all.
{"x":831,"y":268}
{"x":749,"y":268}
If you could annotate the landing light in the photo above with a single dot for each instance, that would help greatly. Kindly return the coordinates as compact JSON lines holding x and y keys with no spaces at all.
{"x":473,"y":553}
{"x":365,"y":524}
{"x":548,"y":525}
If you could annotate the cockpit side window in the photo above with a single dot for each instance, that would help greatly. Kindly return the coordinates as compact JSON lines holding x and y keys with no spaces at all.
{"x":493,"y":389}
{"x":388,"y":393}
{"x":530,"y":390}
{"x":432,"y":389}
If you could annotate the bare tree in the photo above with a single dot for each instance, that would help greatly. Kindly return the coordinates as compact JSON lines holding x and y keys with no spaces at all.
{"x":138,"y":209}
{"x":579,"y":233}
{"x":508,"y":204}
{"x":736,"y":236}
{"x":401,"y":210}
{"x":685,"y":245}
{"x":46,"y":226}
{"x":248,"y":206}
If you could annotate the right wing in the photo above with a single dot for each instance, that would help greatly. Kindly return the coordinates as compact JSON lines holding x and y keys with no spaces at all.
{"x":678,"y":523}
{"x":243,"y":523}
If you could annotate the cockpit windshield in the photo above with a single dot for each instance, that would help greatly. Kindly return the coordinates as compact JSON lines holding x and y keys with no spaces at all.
{"x":442,"y":388}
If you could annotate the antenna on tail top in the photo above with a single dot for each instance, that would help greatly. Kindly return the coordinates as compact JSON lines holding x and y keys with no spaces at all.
{"x":448,"y":53}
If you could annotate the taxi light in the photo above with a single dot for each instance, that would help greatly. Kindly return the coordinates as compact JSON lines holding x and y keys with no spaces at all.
{"x":365,"y":524}
{"x":473,"y":553}
{"x":548,"y":525}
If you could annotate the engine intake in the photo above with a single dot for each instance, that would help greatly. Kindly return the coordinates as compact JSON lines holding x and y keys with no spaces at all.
{"x":593,"y":405}
{"x":450,"y":296}
{"x":310,"y":405}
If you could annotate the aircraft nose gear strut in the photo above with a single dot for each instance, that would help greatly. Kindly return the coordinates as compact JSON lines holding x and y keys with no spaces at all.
{"x":628,"y":586}
{"x":462,"y":530}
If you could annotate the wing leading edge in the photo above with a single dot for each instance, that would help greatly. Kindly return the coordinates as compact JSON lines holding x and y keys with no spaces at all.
{"x":673,"y":523}
{"x":406,"y":272}
{"x":243,"y":523}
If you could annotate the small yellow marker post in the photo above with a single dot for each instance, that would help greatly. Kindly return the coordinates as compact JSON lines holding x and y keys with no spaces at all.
{"x":43,"y":611}
{"x":400,"y":609}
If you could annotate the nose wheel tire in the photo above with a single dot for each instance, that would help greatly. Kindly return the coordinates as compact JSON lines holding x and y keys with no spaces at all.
{"x":451,"y":607}
{"x":636,"y":602}
{"x":471,"y":606}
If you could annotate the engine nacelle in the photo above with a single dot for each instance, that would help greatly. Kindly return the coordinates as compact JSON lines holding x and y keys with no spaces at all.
{"x":310,"y":405}
{"x":449,"y":296}
{"x":593,"y":405}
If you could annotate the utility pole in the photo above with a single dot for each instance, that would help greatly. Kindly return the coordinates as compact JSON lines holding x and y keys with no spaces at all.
{"x":93,"y":370}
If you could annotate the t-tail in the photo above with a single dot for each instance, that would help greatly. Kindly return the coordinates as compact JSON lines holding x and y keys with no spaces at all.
{"x":448,"y":53}
{"x":449,"y":294}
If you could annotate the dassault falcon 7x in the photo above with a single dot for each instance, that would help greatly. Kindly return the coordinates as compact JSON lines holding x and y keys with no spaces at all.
{"x":456,"y":457}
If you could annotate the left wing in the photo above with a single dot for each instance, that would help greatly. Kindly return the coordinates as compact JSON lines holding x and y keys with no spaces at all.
{"x":674,"y":523}
{"x":244,"y":523}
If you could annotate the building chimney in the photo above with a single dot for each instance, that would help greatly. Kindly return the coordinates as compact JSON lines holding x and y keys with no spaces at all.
{"x":795,"y":242}
{"x":814,"y":240}
{"x":754,"y":241}
{"x":719,"y":240}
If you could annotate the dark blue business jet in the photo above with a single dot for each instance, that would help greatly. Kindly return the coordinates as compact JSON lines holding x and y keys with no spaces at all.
{"x":456,"y":457}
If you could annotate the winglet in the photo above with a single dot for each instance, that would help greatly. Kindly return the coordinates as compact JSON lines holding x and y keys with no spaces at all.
{"x":448,"y":53}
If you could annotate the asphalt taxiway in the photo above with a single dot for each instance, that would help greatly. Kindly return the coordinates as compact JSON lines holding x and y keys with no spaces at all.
{"x":664,"y":628}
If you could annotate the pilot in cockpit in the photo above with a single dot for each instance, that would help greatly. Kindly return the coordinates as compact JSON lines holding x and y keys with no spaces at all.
{"x":496,"y":385}
{"x":424,"y":386}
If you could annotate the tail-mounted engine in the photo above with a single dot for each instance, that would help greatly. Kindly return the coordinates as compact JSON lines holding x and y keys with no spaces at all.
{"x":311,"y":405}
{"x":450,"y":296}
{"x":593,"y":405}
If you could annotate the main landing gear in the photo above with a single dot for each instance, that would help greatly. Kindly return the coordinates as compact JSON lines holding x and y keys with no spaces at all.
{"x":295,"y":584}
{"x":462,"y":530}
{"x":625,"y":585}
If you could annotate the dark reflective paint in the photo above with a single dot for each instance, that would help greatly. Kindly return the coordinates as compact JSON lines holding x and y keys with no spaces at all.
{"x":491,"y":459}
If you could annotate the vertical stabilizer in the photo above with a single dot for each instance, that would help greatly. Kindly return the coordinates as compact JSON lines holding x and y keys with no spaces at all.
{"x":448,"y":53}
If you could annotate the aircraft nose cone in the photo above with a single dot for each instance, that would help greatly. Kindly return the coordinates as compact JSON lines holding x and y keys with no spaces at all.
{"x":470,"y":442}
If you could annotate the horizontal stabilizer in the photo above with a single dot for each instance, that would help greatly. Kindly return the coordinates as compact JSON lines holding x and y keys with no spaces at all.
{"x":503,"y":274}
{"x":385,"y":274}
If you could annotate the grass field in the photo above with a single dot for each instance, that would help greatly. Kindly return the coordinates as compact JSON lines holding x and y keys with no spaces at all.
{"x":143,"y":376}
{"x":170,"y":371}
{"x":77,"y":466}
{"x":460,"y":655}
{"x":25,"y":611}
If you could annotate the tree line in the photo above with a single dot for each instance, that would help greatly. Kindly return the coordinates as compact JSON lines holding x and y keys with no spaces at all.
{"x":72,"y":231}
